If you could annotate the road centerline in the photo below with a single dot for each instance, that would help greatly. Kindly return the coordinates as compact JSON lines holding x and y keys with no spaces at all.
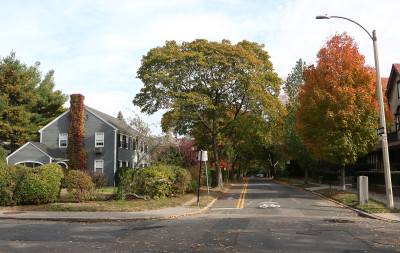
{"x":240,"y":203}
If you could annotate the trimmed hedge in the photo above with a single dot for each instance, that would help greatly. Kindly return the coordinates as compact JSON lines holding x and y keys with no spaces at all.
{"x":23,"y":185}
{"x":378,"y":177}
{"x":40,"y":185}
{"x":10,"y":177}
{"x":161,"y":181}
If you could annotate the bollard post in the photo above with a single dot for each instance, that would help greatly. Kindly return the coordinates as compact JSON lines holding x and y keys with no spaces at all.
{"x":362,"y":190}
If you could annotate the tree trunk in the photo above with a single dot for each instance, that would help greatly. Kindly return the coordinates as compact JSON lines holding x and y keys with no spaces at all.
{"x":343,"y":178}
{"x":306,"y":175}
{"x":216,"y":153}
{"x":232,"y":171}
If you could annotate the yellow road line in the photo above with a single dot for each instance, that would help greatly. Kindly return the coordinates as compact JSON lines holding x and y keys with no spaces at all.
{"x":240,"y":203}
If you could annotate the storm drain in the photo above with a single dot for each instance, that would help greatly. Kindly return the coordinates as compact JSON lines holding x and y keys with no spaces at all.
{"x":339,"y":221}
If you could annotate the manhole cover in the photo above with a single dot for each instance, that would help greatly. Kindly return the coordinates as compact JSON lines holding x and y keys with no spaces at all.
{"x":13,"y":212}
{"x":308,"y":232}
{"x":339,"y":221}
{"x":387,"y":242}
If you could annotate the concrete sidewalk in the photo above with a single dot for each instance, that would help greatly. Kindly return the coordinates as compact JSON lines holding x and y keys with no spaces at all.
{"x":391,"y":217}
{"x":165,"y":213}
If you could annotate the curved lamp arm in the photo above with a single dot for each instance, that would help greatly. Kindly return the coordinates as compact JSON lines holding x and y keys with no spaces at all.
{"x":328,"y":17}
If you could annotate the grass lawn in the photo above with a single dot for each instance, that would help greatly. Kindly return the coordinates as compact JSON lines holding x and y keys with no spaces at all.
{"x":350,"y":199}
{"x":129,"y":205}
{"x":298,"y":182}
{"x":205,"y":199}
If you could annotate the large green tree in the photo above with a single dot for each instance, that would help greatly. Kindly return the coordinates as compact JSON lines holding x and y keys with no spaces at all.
{"x":27,"y":102}
{"x":293,"y":142}
{"x":209,"y":85}
{"x":338,"y":115}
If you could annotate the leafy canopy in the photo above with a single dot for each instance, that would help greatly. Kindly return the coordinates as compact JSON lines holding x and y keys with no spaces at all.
{"x":338,"y":111}
{"x":208,"y":85}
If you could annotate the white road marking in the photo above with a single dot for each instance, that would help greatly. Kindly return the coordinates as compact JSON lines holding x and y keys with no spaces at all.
{"x":269,"y":204}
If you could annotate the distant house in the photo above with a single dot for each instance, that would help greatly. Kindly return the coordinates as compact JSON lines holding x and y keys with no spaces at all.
{"x":110,"y":143}
{"x":393,"y":95}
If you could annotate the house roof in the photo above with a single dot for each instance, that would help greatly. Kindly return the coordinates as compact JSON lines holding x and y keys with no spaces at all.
{"x":52,"y":152}
{"x":116,"y":123}
{"x":395,"y":71}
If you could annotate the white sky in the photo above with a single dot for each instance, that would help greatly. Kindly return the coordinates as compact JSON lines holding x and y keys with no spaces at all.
{"x":96,"y":47}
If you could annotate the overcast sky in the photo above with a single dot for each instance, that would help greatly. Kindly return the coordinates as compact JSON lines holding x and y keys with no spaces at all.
{"x":96,"y":47}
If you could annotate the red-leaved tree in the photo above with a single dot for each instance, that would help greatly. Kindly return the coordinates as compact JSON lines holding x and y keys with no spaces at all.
{"x":188,"y":149}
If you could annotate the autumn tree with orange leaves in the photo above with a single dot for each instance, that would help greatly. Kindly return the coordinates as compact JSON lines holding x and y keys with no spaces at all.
{"x":338,"y":113}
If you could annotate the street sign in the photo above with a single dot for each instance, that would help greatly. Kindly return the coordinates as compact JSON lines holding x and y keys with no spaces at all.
{"x":380,"y":131}
{"x":202,"y":156}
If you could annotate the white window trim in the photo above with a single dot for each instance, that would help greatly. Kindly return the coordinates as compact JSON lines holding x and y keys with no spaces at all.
{"x":100,"y":139}
{"x":121,"y":141}
{"x":59,"y":140}
{"x":95,"y":161}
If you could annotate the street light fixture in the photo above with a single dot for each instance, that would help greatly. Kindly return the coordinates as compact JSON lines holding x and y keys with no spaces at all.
{"x":386,"y":164}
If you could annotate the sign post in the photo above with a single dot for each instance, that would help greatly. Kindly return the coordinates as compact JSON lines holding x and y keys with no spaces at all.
{"x":202,"y":158}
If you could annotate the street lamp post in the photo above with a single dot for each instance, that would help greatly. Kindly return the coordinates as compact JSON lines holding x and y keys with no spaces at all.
{"x":386,"y":164}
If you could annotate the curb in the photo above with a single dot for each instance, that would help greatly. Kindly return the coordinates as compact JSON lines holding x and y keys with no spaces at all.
{"x":95,"y":220}
{"x":358,"y":211}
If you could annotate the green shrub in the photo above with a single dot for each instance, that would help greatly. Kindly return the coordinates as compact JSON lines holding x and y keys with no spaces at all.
{"x":123,"y":178}
{"x":172,"y":156}
{"x":40,"y":185}
{"x":152,"y":182}
{"x":99,"y":179}
{"x":193,"y":186}
{"x":160,"y":181}
{"x":10,"y":177}
{"x":378,"y":177}
{"x":123,"y":174}
{"x":182,"y":179}
{"x":79,"y":185}
{"x":3,"y":156}
{"x":194,"y":172}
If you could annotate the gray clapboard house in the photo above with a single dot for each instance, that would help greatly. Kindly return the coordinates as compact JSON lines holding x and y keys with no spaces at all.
{"x":110,"y":143}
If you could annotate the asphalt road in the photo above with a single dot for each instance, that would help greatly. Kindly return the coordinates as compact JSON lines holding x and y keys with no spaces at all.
{"x":259,"y":217}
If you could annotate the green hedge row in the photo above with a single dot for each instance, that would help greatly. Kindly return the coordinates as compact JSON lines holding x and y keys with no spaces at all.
{"x":23,"y":185}
{"x":378,"y":177}
{"x":160,"y":181}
